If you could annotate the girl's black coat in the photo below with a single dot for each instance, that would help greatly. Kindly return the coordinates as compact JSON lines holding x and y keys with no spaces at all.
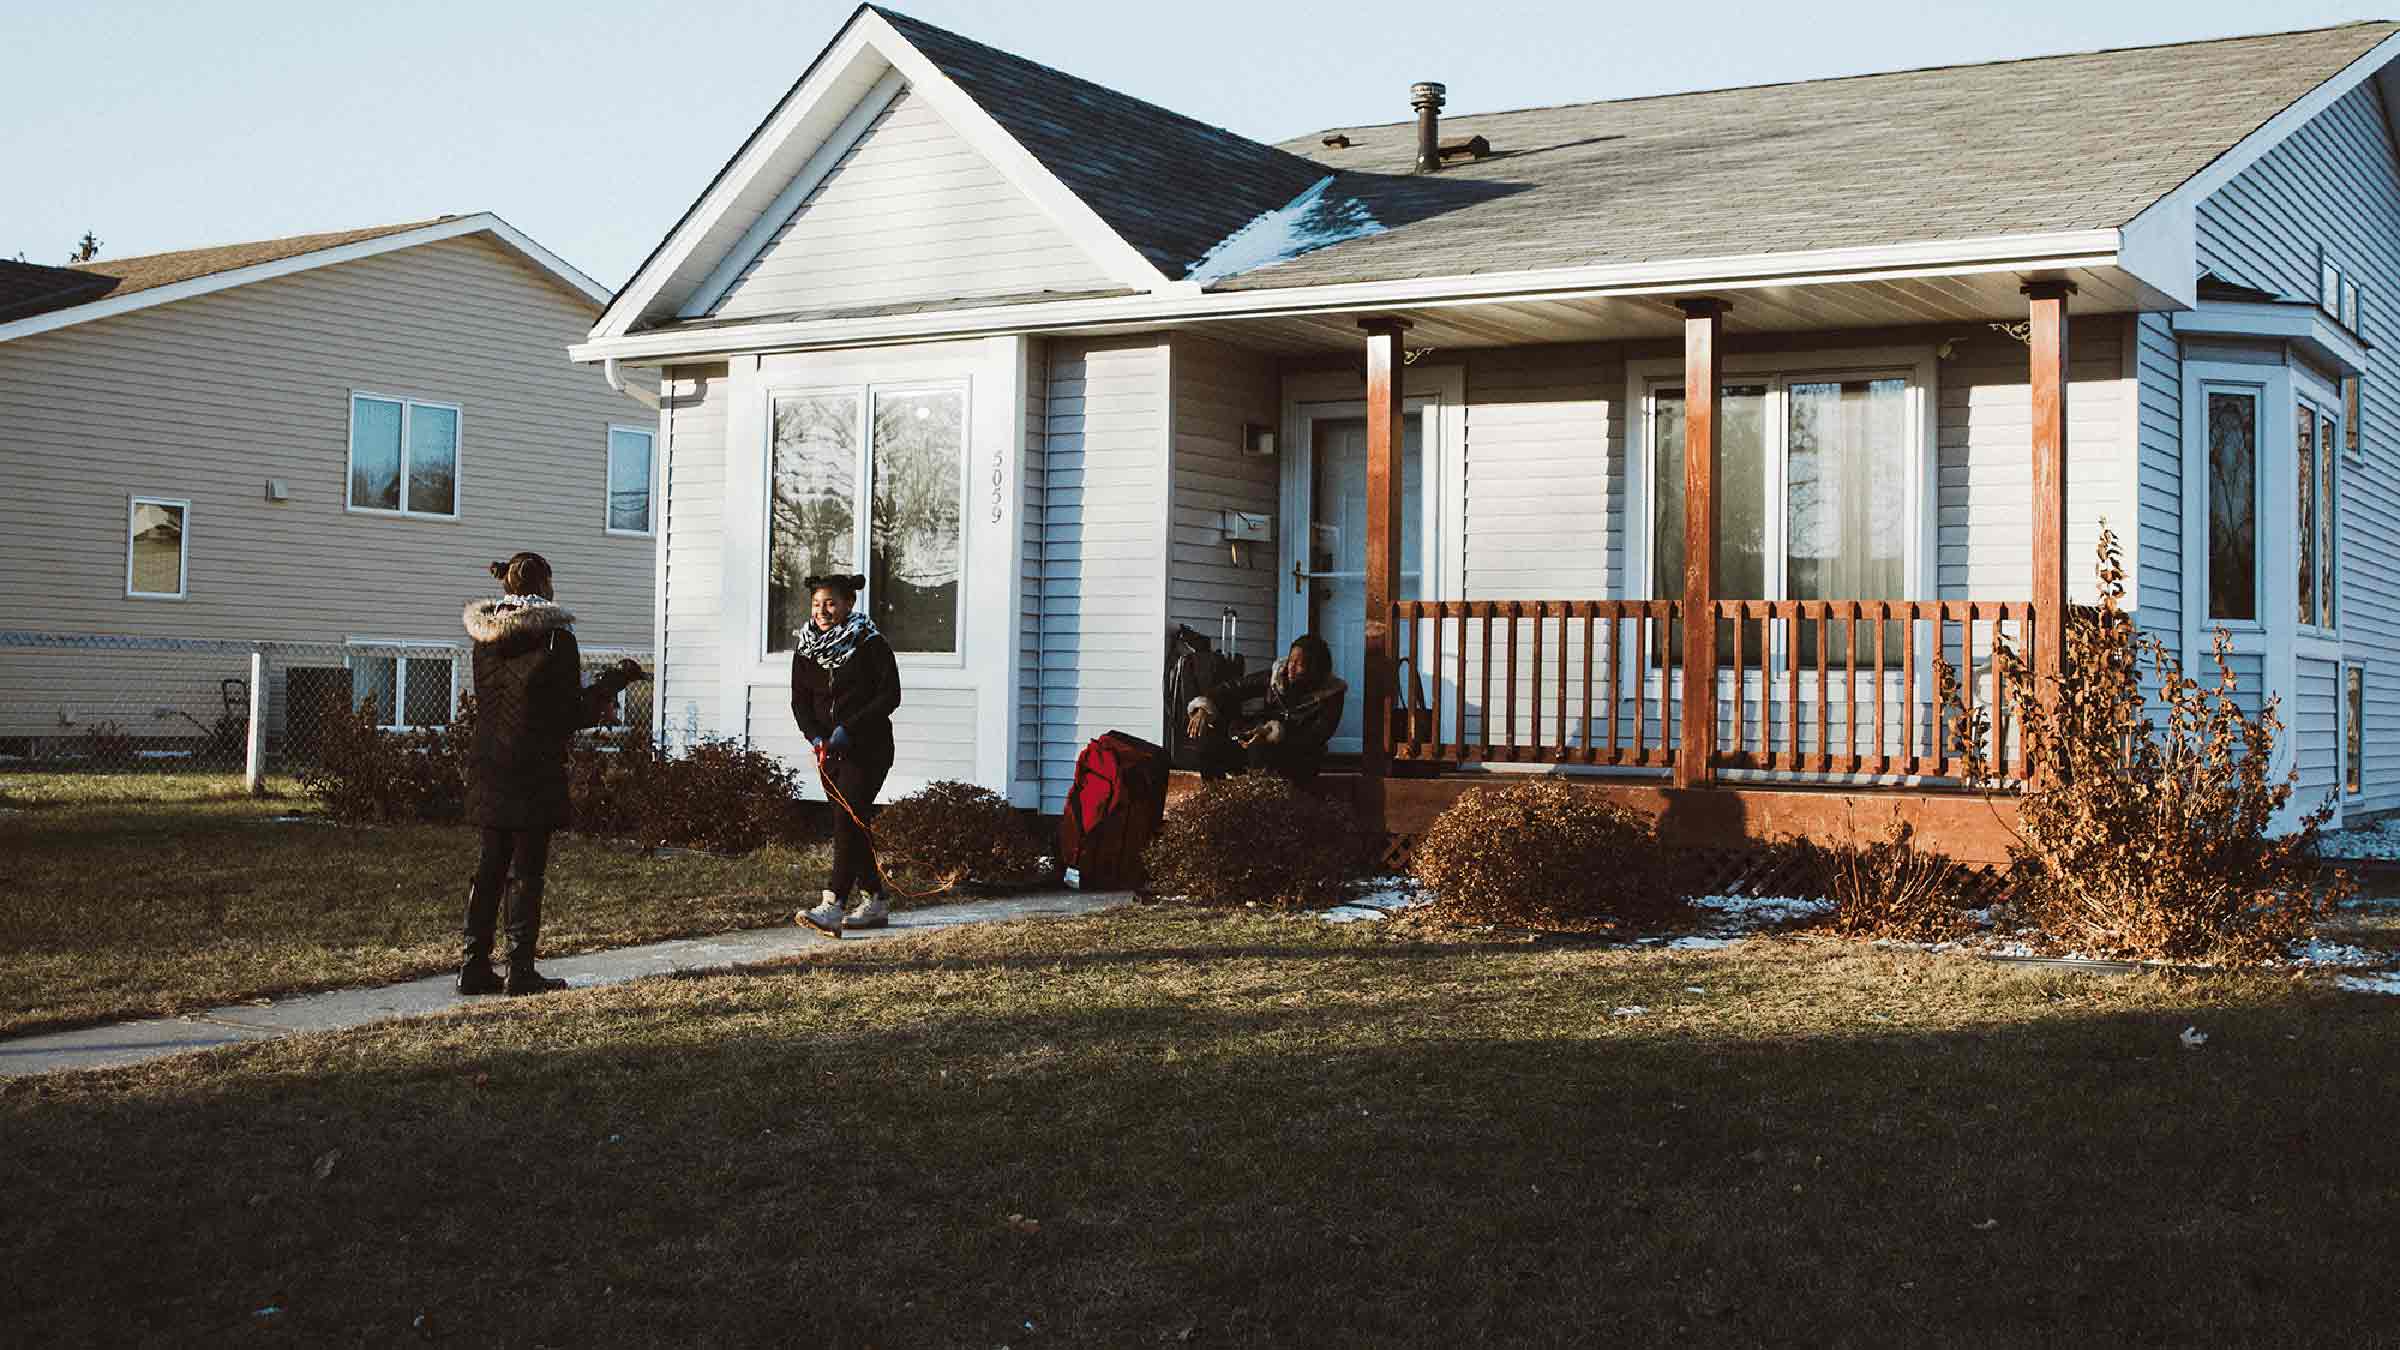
{"x":529,"y":702}
{"x":862,"y":695}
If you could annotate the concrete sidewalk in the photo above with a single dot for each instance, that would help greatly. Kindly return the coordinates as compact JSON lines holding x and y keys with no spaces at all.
{"x":133,"y":1042}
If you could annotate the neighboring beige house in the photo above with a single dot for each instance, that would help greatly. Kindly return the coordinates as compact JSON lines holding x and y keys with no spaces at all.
{"x":320,"y":439}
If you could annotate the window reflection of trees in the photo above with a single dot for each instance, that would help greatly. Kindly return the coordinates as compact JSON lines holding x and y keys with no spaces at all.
{"x":812,"y":526}
{"x":914,"y":576}
{"x":2232,"y":506}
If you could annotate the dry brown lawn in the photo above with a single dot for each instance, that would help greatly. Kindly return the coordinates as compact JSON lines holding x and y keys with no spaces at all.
{"x":147,"y":894}
{"x":1164,"y":1127}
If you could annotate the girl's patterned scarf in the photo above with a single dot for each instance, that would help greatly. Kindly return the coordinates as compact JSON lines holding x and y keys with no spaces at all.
{"x":832,"y":648}
{"x":1302,"y":702}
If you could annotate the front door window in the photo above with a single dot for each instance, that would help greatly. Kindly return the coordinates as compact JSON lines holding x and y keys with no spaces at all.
{"x":1337,"y":547}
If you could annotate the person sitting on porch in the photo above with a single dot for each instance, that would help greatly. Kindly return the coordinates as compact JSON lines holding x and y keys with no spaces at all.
{"x":1275,"y":720}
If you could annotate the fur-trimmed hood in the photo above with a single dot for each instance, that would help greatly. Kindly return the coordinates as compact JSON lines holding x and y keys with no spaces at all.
{"x":515,"y":616}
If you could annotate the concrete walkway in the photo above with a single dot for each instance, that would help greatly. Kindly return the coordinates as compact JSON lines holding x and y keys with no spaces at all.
{"x":133,"y":1042}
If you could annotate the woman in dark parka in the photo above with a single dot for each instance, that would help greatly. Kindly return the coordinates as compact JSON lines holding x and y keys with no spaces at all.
{"x":1275,"y":720}
{"x":845,"y":686}
{"x":530,"y":700}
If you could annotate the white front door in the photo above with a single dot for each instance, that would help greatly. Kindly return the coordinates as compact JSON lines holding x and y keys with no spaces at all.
{"x":1328,"y":579}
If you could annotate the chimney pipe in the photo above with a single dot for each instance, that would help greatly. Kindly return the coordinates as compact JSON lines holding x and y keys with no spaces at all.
{"x":1426,"y":98}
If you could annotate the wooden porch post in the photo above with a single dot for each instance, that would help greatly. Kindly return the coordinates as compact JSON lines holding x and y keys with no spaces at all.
{"x":2048,"y":342}
{"x":1703,"y":326}
{"x":1386,"y":434}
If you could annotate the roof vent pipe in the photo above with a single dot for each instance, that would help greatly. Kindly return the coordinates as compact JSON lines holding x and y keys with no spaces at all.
{"x":1426,"y":98}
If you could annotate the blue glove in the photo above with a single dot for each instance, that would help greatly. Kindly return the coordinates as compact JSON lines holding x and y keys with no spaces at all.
{"x":839,"y":742}
{"x":813,"y":742}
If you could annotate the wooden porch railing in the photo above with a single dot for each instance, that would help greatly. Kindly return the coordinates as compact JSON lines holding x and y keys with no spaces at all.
{"x":1805,"y":688}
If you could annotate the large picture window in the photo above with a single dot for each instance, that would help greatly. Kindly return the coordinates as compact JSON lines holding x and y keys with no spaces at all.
{"x":2233,"y":505}
{"x":1814,"y":481}
{"x":901,"y":452}
{"x":403,"y":456}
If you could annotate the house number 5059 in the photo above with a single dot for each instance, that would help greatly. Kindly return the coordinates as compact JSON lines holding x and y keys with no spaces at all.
{"x":999,"y":481}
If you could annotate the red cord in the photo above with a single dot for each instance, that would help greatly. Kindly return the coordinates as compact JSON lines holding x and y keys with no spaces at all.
{"x":834,"y":795}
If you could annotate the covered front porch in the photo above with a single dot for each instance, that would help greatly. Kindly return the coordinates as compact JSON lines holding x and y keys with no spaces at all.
{"x":1799,"y":711}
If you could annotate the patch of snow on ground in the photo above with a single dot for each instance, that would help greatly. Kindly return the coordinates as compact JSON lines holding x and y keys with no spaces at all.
{"x":1376,"y":900}
{"x":2379,"y":841}
{"x":2319,"y":952}
{"x":1696,"y":943}
{"x":2385,"y":982}
{"x":1764,"y":909}
{"x":1306,"y":222}
{"x":1633,"y":1010}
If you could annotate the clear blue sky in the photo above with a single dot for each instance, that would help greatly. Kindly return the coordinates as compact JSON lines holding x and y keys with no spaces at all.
{"x":591,"y":124}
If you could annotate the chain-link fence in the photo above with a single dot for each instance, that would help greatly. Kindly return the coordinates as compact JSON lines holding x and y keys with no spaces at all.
{"x":89,"y":703}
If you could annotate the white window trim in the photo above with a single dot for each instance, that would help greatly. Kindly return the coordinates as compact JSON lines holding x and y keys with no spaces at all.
{"x":609,"y":467}
{"x":865,"y":391}
{"x":183,"y":563}
{"x":1779,"y":370}
{"x":408,"y":407}
{"x":403,"y":649}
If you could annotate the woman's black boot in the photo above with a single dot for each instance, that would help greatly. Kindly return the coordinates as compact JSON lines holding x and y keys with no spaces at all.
{"x":524,"y":930}
{"x":475,"y":973}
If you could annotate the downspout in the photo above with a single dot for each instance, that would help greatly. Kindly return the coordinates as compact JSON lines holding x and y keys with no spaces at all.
{"x":616,"y":381}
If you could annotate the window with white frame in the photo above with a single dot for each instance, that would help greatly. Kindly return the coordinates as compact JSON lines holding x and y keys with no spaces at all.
{"x":2354,"y":736}
{"x":1814,"y":481}
{"x":403,"y":456}
{"x":2315,"y":500}
{"x":632,"y":471}
{"x":896,"y":456}
{"x":2232,"y":442}
{"x":404,"y":688}
{"x":157,"y":547}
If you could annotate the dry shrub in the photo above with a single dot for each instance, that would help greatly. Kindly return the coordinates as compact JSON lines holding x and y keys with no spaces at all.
{"x":364,"y":774}
{"x":951,"y":833}
{"x":1893,"y":889}
{"x":720,"y":795}
{"x":1255,"y":838}
{"x":2151,"y":836}
{"x":1548,"y":854}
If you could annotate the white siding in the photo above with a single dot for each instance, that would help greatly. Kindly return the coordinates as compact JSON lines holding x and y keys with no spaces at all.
{"x":2334,"y":185}
{"x":1984,"y":434}
{"x":1218,"y":389}
{"x":688,"y":680}
{"x":1104,"y":575}
{"x":912,"y":212}
{"x":933,"y":734}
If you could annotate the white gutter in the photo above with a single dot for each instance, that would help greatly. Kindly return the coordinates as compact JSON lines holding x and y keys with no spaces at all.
{"x":2032,"y":252}
{"x":616,"y":381}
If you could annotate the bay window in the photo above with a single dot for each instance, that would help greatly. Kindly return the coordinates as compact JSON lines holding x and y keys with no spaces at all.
{"x":870,"y":479}
{"x":2232,"y":443}
{"x":1816,"y":483}
{"x":2316,"y":500}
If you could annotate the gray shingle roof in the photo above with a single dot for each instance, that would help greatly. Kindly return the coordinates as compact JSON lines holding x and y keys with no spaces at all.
{"x":2051,"y":143}
{"x":1170,"y":186}
{"x":30,"y":288}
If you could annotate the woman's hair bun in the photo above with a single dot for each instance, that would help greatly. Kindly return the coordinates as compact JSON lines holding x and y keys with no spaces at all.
{"x":853,"y":582}
{"x":500,"y":571}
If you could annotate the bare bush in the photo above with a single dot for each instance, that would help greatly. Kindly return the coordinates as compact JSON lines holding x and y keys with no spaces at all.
{"x":952,"y":833}
{"x":1546,"y":853}
{"x":2150,"y":834}
{"x":1255,"y":838}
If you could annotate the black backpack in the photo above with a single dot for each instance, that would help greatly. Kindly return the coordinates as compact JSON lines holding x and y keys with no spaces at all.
{"x":1194,"y":667}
